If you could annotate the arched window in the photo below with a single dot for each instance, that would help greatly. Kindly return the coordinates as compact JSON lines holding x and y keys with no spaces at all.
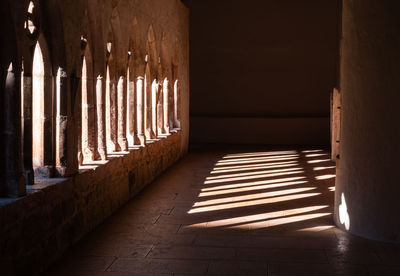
{"x":38,"y":107}
{"x":159,"y":101}
{"x":175,"y":98}
{"x":42,"y":111}
{"x":129,"y":106}
{"x":165,"y":92}
{"x":154,"y":113}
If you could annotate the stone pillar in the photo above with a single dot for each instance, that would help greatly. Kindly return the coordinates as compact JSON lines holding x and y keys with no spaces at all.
{"x":165,"y":93}
{"x":80,"y":124}
{"x":66,"y":147}
{"x":121,"y":117}
{"x":113,"y":117}
{"x":367,"y":188}
{"x":149,"y":110}
{"x":101,"y":119}
{"x":171,"y":104}
{"x":177,"y":123}
{"x":88,"y":117}
{"x":13,"y":181}
{"x":160,"y":108}
{"x":140,"y":122}
{"x":132,"y":115}
{"x":27,"y":127}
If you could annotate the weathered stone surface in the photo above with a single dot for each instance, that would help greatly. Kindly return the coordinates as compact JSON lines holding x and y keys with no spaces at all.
{"x":57,"y":214}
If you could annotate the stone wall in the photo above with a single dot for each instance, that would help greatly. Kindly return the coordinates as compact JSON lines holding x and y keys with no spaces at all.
{"x":36,"y":229}
{"x":367,"y":186}
{"x":84,"y":169}
{"x":262,"y":71}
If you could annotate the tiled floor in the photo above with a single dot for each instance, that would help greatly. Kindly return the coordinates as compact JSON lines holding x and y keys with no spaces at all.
{"x":265,"y":212}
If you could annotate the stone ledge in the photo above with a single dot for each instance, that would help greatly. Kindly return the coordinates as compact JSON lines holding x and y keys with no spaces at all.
{"x":56,"y":213}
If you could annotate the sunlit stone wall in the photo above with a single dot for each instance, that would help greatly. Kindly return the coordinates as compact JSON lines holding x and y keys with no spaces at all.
{"x":367,"y":189}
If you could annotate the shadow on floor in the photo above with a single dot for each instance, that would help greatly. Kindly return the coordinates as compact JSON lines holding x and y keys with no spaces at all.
{"x":232,"y":212}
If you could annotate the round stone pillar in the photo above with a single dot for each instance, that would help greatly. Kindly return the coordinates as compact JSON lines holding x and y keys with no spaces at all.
{"x":367,"y":199}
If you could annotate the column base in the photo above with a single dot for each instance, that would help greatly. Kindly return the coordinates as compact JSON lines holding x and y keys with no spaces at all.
{"x":113,"y":146}
{"x":102,"y":153}
{"x":153,"y":135}
{"x":29,"y":177}
{"x":80,"y":158}
{"x":123,"y":144}
{"x":64,"y":171}
{"x":15,"y":185}
{"x":142,"y":139}
{"x":137,"y":140}
{"x":91,"y":155}
{"x":44,"y":171}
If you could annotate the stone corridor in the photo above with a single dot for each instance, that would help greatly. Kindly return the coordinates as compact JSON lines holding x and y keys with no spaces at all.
{"x":247,"y":212}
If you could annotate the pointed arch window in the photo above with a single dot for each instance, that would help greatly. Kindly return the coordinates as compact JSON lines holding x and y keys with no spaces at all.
{"x":42,"y":111}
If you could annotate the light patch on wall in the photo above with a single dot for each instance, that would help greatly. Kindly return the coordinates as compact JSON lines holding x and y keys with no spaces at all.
{"x":344,"y":217}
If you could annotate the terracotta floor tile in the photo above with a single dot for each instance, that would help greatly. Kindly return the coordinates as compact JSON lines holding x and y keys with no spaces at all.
{"x":282,"y":255}
{"x":160,"y":266}
{"x":384,"y":271}
{"x":191,"y":252}
{"x":252,"y":212}
{"x":237,"y":268}
{"x":316,"y":270}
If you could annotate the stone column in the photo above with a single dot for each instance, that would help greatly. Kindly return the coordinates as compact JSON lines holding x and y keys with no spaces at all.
{"x":101,"y":121}
{"x":149,"y":110}
{"x":121,"y":117}
{"x":113,"y":117}
{"x":27,"y":127}
{"x":171,"y":104}
{"x":160,"y":108}
{"x":140,"y":123}
{"x":80,"y":122}
{"x":13,"y":180}
{"x":165,"y":92}
{"x":88,"y":118}
{"x":132,"y":115}
{"x":47,"y":168}
{"x":66,"y":148}
{"x":367,"y":188}
{"x":177,"y":123}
